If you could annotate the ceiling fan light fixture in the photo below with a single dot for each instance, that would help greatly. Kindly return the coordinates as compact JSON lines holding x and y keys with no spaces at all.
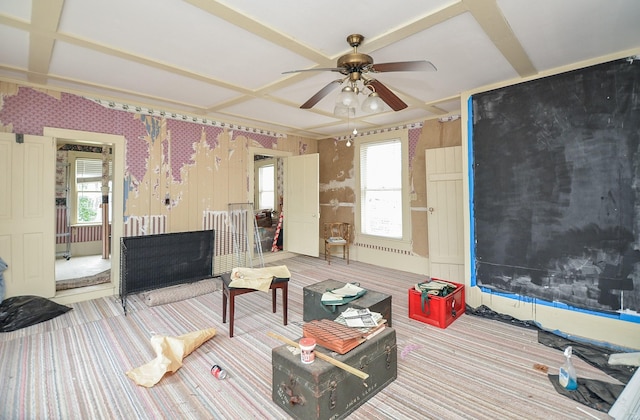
{"x":348,"y":97}
{"x":356,"y":67}
{"x":373,"y":104}
{"x":344,"y":111}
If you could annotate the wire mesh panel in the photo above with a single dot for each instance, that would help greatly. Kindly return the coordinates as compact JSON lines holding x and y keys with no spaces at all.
{"x":231,"y":239}
{"x":153,"y":261}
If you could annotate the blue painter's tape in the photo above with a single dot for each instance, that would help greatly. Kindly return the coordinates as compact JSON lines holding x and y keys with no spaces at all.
{"x":472,"y":231}
{"x":560,"y":305}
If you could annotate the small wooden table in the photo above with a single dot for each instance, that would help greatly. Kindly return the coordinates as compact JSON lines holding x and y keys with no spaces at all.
{"x":230,"y":293}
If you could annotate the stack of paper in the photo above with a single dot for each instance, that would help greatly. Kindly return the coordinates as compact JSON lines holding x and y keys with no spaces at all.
{"x":357,"y":317}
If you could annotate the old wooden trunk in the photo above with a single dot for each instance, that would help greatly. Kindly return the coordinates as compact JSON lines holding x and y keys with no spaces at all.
{"x":314,"y":309}
{"x":321,"y":390}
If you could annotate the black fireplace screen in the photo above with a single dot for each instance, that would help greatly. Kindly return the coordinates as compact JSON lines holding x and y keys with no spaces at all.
{"x":155,"y":261}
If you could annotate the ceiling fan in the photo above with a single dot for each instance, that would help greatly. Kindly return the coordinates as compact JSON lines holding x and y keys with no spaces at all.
{"x":356,"y":67}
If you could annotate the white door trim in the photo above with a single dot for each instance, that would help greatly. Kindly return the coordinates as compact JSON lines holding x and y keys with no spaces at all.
{"x":119,"y":143}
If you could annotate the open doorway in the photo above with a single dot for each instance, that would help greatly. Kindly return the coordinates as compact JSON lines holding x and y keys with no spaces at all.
{"x":84,"y":172}
{"x":266,"y":187}
{"x":268,"y":201}
{"x":90,"y":164}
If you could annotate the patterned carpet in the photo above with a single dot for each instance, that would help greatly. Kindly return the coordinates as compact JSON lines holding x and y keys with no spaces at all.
{"x":73,"y":367}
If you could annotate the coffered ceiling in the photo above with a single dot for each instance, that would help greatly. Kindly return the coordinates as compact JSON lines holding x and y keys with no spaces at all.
{"x":225,"y":59}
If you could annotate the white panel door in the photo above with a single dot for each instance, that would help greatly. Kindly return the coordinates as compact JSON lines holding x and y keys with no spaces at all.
{"x":27,"y":214}
{"x":302,"y":205}
{"x":445,"y":212}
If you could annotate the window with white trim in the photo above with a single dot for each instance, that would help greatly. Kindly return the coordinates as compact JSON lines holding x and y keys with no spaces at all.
{"x":383,"y":202}
{"x":86,"y":178}
{"x":266,"y":186}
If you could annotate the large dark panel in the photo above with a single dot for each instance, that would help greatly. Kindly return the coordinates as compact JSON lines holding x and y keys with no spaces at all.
{"x":154,"y":261}
{"x":555,"y":178}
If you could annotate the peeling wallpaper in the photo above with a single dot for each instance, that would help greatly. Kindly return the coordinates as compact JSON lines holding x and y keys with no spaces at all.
{"x":338,"y":187}
{"x":414,"y":138}
{"x":199,"y":165}
{"x":30,"y":110}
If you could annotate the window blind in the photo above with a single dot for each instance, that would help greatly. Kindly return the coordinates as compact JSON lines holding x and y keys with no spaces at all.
{"x":381,"y":188}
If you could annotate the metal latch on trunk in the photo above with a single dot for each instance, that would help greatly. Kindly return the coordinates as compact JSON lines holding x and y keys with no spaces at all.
{"x":333,"y":386}
{"x":288,"y":390}
{"x":387,"y":351}
{"x":364,"y":363}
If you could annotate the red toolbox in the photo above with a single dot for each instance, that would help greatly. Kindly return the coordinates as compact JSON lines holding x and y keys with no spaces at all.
{"x":438,"y":311}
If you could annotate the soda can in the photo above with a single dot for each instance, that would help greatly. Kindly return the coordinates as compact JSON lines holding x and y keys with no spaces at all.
{"x":218,"y":372}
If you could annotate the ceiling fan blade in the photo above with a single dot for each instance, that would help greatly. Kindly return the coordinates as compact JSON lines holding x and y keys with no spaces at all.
{"x":421,"y":65}
{"x":387,"y":96}
{"x":321,"y":94}
{"x":338,"y":69}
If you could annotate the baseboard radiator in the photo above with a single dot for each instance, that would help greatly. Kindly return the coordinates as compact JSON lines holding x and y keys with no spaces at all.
{"x":383,"y":248}
{"x":231,"y":242}
{"x":145,"y":225}
{"x":77,"y":233}
{"x":62,"y":228}
{"x":151,"y":262}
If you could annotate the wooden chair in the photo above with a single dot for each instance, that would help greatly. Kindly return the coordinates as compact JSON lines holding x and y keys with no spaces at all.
{"x":230,"y":293}
{"x":337,"y":234}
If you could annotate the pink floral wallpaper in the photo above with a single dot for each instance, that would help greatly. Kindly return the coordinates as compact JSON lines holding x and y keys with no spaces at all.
{"x":30,"y":110}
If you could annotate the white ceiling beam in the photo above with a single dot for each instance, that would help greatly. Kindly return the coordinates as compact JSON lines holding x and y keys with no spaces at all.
{"x":492,"y":21}
{"x":45,"y":15}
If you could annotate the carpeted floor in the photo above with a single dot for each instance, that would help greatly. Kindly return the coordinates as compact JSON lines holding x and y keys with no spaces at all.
{"x":100,"y":278}
{"x":73,"y":367}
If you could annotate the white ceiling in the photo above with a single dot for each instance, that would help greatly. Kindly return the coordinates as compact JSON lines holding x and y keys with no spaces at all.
{"x":224,"y":59}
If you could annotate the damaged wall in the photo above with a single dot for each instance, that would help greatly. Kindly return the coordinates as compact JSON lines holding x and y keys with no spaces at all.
{"x":338,"y":187}
{"x":174,"y":169}
{"x":337,"y":182}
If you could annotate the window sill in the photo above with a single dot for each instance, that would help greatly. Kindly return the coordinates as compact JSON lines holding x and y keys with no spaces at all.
{"x":76,"y":225}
